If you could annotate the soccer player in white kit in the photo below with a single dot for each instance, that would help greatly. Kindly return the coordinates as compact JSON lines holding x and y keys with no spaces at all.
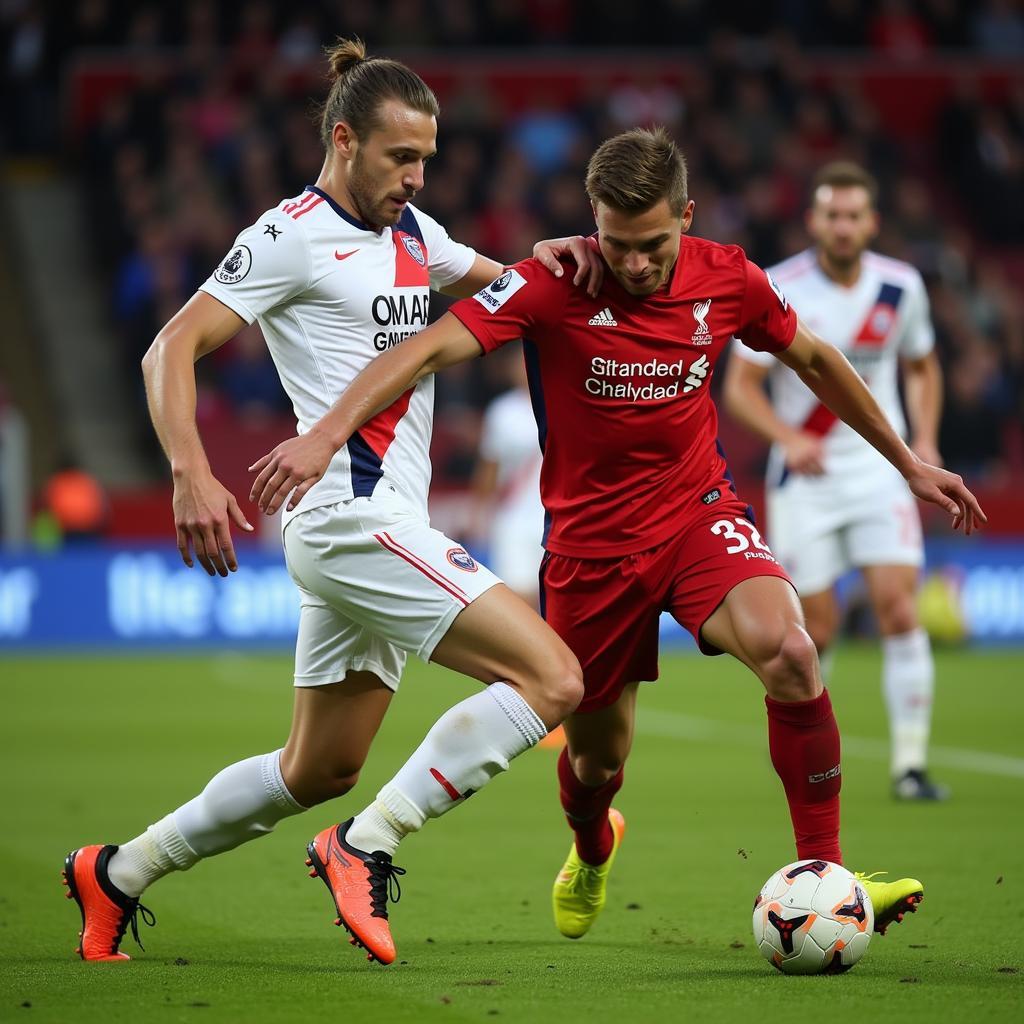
{"x":506,"y":486}
{"x":335,"y":276}
{"x":833,"y":502}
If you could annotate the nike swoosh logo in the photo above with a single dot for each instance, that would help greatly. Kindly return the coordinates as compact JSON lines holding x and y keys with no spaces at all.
{"x":344,"y":255}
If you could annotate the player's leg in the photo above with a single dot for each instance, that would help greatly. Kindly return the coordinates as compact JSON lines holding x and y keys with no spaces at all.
{"x":331,"y":732}
{"x":908,"y":677}
{"x":418,"y":590}
{"x":590,"y":773}
{"x":886,"y":544}
{"x":533,"y":683}
{"x":344,"y":679}
{"x":607,"y":612}
{"x":760,"y":622}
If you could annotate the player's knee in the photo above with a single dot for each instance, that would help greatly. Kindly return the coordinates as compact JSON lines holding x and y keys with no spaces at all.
{"x":596,"y":769}
{"x":568,"y":687}
{"x":320,"y":783}
{"x":555,"y":688}
{"x":791,"y":671}
{"x":897,"y":613}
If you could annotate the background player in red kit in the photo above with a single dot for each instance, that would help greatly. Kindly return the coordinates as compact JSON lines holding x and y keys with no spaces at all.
{"x":642,"y":516}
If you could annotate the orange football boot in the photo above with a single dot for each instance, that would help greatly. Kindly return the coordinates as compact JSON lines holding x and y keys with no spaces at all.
{"x":360,"y":884}
{"x":106,"y":911}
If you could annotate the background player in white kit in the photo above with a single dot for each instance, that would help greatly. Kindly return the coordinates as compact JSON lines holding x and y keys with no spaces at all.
{"x":833,"y":502}
{"x":508,"y":513}
{"x":336,"y":276}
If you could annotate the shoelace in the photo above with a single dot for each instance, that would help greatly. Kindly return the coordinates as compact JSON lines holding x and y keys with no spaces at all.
{"x":384,"y":884}
{"x":131,"y":919}
{"x":862,"y":876}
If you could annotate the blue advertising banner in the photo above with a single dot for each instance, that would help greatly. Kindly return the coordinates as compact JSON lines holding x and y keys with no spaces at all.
{"x":142,"y":598}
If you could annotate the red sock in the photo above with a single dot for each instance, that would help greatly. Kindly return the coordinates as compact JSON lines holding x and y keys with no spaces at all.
{"x":586,"y":810}
{"x":804,"y":742}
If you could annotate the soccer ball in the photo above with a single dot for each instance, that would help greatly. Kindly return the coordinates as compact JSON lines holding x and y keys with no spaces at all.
{"x":813,"y":917}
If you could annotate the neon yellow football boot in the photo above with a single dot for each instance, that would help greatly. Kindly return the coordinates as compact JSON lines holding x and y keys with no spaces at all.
{"x":579,"y":892}
{"x":891,"y":900}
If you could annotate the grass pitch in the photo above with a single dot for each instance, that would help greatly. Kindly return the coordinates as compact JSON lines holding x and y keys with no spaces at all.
{"x":96,"y":748}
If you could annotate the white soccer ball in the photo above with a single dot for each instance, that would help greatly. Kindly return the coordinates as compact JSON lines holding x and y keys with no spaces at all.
{"x":813,"y":917}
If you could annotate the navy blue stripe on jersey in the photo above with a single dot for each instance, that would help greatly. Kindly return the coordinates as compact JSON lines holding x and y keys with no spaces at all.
{"x":366,"y":466}
{"x":540,"y":414}
{"x":889,"y":295}
{"x":344,"y":214}
{"x":408,"y":223}
{"x":542,"y":592}
{"x":749,"y":511}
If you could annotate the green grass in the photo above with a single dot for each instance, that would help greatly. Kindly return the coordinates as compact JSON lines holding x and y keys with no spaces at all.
{"x":96,"y":748}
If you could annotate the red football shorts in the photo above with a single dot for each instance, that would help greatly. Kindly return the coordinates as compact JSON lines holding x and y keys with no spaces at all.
{"x":607,"y":609}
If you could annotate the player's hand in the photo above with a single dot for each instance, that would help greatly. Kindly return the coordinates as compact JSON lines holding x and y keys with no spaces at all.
{"x":296,"y":463}
{"x":589,"y":266}
{"x":203,"y":513}
{"x":805,"y":453}
{"x":948,"y":491}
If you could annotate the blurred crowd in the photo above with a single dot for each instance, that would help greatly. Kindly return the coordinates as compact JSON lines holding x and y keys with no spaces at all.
{"x":175,"y":166}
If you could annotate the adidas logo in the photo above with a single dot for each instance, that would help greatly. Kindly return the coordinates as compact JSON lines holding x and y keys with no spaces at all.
{"x":603,"y":319}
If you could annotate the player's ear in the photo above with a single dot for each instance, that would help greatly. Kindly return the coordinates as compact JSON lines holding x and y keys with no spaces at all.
{"x":688,"y":215}
{"x":593,"y":209}
{"x":344,"y":139}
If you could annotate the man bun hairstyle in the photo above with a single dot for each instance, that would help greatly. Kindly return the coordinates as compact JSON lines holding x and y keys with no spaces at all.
{"x":633,"y":171}
{"x":360,"y":84}
{"x":845,"y":174}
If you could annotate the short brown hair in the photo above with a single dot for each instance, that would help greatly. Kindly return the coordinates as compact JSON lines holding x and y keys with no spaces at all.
{"x":633,"y":171}
{"x":845,"y":174}
{"x":360,"y":84}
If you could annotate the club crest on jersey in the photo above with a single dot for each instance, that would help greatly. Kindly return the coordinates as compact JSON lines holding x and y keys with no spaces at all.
{"x":414,"y":249}
{"x":499,"y":291}
{"x":236,"y":265}
{"x":701,"y":336}
{"x":462,"y":559}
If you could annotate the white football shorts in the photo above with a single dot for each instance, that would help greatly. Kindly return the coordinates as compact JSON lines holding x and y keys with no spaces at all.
{"x":375,"y":581}
{"x":820,"y":527}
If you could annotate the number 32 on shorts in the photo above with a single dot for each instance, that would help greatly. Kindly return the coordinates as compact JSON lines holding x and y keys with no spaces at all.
{"x":739,"y":541}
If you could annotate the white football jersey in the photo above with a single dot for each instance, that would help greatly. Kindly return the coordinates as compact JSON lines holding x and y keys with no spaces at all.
{"x":510,"y":439}
{"x":330,"y":294}
{"x":883,"y":317}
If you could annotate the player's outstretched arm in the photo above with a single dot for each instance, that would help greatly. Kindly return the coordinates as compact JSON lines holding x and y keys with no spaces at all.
{"x":301,"y":461}
{"x":825,"y":370}
{"x":203,"y":508}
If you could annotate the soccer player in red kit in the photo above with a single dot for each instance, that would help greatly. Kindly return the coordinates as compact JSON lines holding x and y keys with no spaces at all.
{"x":642,"y":514}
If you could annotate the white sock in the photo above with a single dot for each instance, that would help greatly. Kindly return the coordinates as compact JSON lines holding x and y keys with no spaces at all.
{"x":908,"y":679}
{"x":467,"y":746}
{"x":244,"y":801}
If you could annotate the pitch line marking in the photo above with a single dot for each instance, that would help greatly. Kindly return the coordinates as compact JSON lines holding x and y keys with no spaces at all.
{"x":673,"y":725}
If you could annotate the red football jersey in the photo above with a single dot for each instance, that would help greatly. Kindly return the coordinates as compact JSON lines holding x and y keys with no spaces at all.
{"x":621,"y":388}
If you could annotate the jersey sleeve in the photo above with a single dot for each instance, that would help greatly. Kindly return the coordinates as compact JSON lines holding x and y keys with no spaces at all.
{"x":524,"y":297}
{"x":767,"y":322}
{"x":269,"y":263}
{"x":741,"y":350}
{"x":450,"y":261}
{"x":918,"y":337}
